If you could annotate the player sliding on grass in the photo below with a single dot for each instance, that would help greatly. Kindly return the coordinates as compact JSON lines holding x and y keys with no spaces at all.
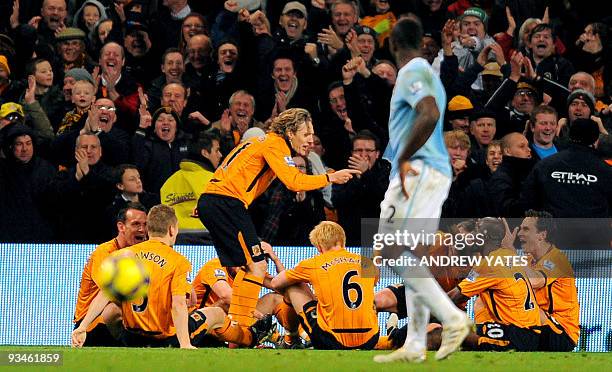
{"x":420,"y":180}
{"x":245,"y":174}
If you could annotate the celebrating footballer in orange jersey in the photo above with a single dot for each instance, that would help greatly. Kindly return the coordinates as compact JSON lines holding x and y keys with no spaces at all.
{"x":161,"y":318}
{"x":509,"y":315}
{"x":342,"y":315}
{"x":245,"y":174}
{"x":555,"y":289}
{"x":131,"y":224}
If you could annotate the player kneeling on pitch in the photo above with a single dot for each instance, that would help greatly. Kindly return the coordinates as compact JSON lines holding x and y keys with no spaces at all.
{"x":554,"y":283}
{"x":131,"y":227}
{"x":161,"y":318}
{"x":342,"y":314}
{"x":506,"y":313}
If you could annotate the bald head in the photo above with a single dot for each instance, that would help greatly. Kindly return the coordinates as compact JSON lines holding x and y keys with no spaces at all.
{"x":516,"y":145}
{"x":54,"y":13}
{"x":199,"y":49}
{"x":582,"y":80}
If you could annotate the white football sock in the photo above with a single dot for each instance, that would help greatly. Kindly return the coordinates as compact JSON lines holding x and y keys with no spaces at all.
{"x":418,"y":318}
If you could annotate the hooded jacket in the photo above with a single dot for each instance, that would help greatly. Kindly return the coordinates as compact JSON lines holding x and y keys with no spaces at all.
{"x":97,"y":4}
{"x":182,"y":190}
{"x":156,"y":159}
{"x":24,"y":202}
{"x":571,"y":183}
{"x":505,"y":186}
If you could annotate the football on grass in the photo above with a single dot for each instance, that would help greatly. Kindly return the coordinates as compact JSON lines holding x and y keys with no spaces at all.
{"x":123,"y":278}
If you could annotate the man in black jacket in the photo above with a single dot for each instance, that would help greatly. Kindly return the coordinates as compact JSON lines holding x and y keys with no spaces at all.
{"x":118,"y":85}
{"x":360,"y":197}
{"x":84,"y":192}
{"x":159,"y":154}
{"x":24,"y":181}
{"x":504,"y":187}
{"x":101,"y":120}
{"x":574,"y":182}
{"x":545,"y":61}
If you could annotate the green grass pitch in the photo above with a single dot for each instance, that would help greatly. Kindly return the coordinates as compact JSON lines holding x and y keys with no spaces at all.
{"x":133,"y":359}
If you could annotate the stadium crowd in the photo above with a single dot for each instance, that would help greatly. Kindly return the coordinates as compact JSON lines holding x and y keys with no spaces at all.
{"x":106,"y":102}
{"x":111,"y":107}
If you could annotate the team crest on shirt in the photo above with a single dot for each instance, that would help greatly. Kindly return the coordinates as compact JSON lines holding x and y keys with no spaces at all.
{"x":219,"y":273}
{"x":415,"y":87}
{"x":195,"y":316}
{"x":256,"y":250}
{"x":289,"y":161}
{"x":472,"y":276}
{"x":548,"y":265}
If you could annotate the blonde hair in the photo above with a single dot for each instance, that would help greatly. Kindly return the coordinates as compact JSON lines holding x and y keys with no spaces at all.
{"x":523,"y":29}
{"x":457,"y":135}
{"x":327,"y":234}
{"x":89,"y":83}
{"x":289,"y":121}
{"x":159,"y":220}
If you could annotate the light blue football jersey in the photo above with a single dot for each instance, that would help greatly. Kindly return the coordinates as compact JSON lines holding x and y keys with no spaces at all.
{"x":415,"y":81}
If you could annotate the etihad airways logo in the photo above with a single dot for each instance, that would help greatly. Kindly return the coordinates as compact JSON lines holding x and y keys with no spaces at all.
{"x":575,"y":178}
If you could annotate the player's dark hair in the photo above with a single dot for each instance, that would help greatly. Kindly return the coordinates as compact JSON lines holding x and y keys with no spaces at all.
{"x":120,"y":171}
{"x":122,"y":215}
{"x":544,"y":221}
{"x":366,"y":135}
{"x":407,"y":34}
